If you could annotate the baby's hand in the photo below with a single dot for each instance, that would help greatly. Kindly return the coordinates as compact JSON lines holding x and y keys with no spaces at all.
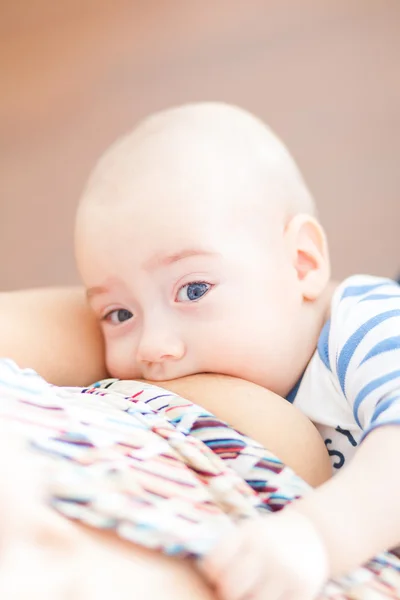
{"x":270,"y":558}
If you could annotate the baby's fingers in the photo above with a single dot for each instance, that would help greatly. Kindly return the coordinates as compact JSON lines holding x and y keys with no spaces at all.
{"x":222,"y":556}
{"x":242,"y":577}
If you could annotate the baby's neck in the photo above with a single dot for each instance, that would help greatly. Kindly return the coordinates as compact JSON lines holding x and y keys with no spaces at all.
{"x":326,"y":300}
{"x":317,"y":317}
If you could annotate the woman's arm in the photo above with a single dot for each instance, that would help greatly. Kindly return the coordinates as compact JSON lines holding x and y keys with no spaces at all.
{"x":53,"y":331}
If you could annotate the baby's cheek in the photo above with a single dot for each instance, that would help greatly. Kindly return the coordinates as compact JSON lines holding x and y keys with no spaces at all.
{"x":120,"y":362}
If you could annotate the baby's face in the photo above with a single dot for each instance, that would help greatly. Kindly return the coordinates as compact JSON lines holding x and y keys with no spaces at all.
{"x":181,"y":244}
{"x":188,"y":289}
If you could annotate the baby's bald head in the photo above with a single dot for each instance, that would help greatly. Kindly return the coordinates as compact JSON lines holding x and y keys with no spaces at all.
{"x":209,"y":154}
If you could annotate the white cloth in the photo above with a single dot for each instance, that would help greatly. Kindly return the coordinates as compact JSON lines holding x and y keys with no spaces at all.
{"x":352,"y":383}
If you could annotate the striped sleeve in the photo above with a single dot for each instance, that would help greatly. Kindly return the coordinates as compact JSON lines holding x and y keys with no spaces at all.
{"x":363,"y":349}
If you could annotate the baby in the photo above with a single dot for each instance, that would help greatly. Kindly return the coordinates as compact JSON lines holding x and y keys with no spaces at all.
{"x":200,"y":249}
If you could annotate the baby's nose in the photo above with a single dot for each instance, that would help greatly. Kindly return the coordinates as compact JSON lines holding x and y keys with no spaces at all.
{"x":159,"y":348}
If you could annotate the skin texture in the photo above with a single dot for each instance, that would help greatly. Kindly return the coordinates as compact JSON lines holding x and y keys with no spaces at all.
{"x":52,"y":331}
{"x":197,"y":241}
{"x":263,"y":416}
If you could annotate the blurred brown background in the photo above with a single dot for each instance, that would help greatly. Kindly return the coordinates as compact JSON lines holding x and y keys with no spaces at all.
{"x":75,"y":74}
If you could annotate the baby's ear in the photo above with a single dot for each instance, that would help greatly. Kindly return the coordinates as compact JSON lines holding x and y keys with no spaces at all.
{"x":308,"y":250}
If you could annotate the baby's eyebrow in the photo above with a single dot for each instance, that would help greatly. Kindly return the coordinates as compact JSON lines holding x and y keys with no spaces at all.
{"x":95,"y":291}
{"x":161,"y":261}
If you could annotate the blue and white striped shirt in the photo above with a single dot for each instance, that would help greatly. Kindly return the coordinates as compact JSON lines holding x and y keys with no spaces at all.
{"x":352,"y":383}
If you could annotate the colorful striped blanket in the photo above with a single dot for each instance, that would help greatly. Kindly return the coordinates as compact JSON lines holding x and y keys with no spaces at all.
{"x":159,"y":470}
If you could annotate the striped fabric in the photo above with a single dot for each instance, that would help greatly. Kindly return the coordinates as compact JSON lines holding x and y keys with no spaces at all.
{"x":352,"y":384}
{"x":158,"y":470}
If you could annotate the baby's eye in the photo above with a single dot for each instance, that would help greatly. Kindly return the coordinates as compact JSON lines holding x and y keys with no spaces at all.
{"x":118,"y":316}
{"x":192,"y":291}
